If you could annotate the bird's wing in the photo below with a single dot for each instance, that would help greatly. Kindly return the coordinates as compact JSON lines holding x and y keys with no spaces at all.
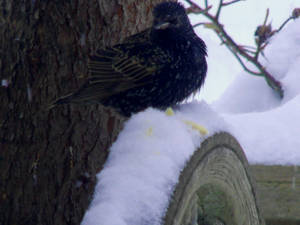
{"x":125,"y":69}
{"x":115,"y":65}
{"x":117,"y":69}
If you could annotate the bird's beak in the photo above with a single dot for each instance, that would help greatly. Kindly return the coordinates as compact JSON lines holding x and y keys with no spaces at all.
{"x":162,"y":25}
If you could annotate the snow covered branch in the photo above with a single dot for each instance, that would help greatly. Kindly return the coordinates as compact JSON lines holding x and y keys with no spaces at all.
{"x":262,"y":35}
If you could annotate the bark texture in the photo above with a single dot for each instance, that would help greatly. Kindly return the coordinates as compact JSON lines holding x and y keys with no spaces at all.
{"x":48,"y":159}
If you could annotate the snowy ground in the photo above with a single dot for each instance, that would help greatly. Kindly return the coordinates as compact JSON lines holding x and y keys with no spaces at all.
{"x":145,"y":162}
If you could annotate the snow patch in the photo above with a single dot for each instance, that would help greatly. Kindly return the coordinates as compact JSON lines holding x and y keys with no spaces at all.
{"x":144,"y":165}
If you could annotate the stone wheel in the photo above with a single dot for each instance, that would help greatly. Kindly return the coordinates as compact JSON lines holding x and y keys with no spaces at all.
{"x":215,"y":188}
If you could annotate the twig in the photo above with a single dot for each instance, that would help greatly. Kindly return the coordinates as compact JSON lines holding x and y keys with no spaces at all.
{"x":198,"y":24}
{"x":235,"y":52}
{"x":248,"y":46}
{"x":190,"y":2}
{"x":219,"y":10}
{"x":221,"y":4}
{"x":258,"y":48}
{"x":232,"y":2}
{"x":284,"y":23}
{"x":243,"y":64}
{"x":266,"y":18}
{"x":197,"y":10}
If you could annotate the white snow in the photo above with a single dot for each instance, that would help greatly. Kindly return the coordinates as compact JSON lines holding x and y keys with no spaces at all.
{"x":271,"y":137}
{"x":248,"y":93}
{"x":145,"y":162}
{"x":267,"y":127}
{"x":245,"y":94}
{"x":144,"y":165}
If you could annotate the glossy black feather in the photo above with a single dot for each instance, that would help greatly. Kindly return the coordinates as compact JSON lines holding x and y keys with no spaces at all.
{"x":158,"y":67}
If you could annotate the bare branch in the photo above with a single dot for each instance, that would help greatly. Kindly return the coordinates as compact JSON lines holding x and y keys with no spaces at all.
{"x":249,"y":49}
{"x":219,"y":10}
{"x":190,"y":2}
{"x":259,"y":43}
{"x":236,"y":55}
{"x":197,"y":10}
{"x":231,"y":2}
{"x":237,"y":50}
{"x":243,"y":64}
{"x":284,"y":23}
{"x":198,"y":24}
{"x":267,"y":16}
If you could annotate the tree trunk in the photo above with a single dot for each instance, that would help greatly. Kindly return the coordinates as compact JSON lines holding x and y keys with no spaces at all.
{"x":48,"y":159}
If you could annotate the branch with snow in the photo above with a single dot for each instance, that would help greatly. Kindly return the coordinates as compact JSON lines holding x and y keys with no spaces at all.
{"x":262,"y":34}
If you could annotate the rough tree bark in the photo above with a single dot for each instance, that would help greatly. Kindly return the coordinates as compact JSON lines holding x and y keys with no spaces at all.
{"x":48,"y":159}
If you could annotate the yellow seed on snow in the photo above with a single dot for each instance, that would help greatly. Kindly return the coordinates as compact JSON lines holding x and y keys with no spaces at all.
{"x":169,"y":111}
{"x":149,"y":132}
{"x":197,"y":127}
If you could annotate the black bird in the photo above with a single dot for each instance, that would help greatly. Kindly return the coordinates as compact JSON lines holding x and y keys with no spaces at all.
{"x":159,"y":67}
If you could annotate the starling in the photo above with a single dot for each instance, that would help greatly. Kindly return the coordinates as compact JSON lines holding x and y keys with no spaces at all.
{"x":159,"y":67}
